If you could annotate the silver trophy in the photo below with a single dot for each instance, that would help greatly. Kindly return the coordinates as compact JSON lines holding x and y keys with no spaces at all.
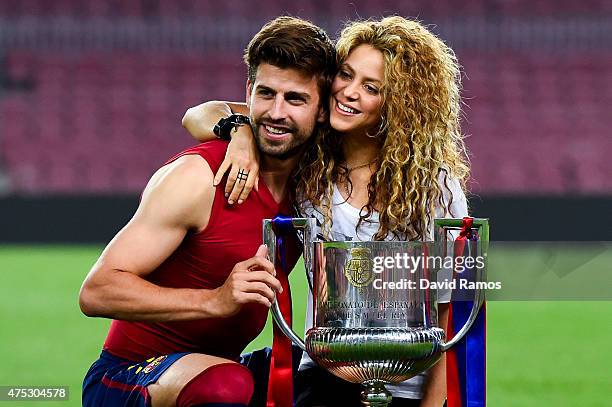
{"x":375,"y":311}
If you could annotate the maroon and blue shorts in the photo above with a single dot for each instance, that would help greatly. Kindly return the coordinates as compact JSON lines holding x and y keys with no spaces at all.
{"x":113,"y":381}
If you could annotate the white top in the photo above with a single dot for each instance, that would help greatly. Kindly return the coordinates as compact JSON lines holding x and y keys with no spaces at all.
{"x":345,"y":217}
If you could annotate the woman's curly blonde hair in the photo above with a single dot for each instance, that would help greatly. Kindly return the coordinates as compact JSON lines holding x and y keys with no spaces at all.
{"x":421,"y":136}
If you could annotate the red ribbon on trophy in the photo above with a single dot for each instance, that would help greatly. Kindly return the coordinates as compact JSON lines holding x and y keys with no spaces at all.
{"x":280,"y":379}
{"x":466,"y":361}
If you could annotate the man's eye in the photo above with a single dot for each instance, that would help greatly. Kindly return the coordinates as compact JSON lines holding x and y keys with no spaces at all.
{"x":344,"y":75}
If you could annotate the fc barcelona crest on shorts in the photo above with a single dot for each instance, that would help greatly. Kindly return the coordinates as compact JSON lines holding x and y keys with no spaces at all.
{"x":156,"y":362}
{"x":358,"y":269}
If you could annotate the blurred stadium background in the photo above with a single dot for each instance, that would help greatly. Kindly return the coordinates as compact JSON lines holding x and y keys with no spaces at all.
{"x":91,"y":97}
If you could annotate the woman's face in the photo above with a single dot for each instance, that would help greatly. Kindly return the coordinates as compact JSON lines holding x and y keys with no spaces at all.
{"x":356,"y":101}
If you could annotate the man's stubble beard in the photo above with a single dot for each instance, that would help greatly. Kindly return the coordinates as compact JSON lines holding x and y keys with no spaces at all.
{"x":296,"y":146}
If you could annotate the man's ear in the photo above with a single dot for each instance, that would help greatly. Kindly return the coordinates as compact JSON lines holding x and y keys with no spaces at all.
{"x":248,"y":93}
{"x":323,"y":114}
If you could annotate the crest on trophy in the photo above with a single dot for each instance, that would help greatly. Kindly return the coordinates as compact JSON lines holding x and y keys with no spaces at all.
{"x":358,"y":269}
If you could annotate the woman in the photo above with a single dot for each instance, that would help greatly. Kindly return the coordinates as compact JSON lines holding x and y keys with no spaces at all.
{"x":393,"y":160}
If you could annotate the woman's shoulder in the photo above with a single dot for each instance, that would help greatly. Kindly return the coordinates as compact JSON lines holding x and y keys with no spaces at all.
{"x":454,"y":202}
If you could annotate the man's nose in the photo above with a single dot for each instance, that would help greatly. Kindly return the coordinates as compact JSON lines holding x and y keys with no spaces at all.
{"x":278,"y":111}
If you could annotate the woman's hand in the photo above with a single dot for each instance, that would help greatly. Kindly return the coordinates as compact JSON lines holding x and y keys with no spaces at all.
{"x":242,"y":156}
{"x":242,"y":161}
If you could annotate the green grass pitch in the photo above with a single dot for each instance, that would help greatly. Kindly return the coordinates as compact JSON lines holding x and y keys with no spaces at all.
{"x":539,"y":353}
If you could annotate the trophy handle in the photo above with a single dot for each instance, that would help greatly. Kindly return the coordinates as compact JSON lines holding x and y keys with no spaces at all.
{"x":479,"y":297}
{"x":285,"y":328}
{"x":308,"y":226}
{"x":478,"y":300}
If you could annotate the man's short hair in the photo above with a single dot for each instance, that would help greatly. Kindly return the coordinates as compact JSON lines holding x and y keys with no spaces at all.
{"x":289,"y":42}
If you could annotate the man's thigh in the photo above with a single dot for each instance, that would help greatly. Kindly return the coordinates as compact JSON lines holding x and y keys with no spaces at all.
{"x":112,"y":381}
{"x":166,"y":389}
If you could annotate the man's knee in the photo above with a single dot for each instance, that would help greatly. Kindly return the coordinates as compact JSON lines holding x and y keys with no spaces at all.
{"x":228,"y":383}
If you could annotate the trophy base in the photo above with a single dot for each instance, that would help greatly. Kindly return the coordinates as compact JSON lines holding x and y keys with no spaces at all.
{"x":374,"y":394}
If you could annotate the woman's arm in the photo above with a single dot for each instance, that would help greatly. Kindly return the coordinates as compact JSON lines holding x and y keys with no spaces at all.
{"x":201,"y":119}
{"x":434,"y":392}
{"x":242,"y":153}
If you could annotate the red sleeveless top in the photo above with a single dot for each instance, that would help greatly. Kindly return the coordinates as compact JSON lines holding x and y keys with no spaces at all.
{"x":204,"y":260}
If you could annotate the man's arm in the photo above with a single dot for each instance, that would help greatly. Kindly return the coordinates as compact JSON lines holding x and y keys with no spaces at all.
{"x":177,"y":199}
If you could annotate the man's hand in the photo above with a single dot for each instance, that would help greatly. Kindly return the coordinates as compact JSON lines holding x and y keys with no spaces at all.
{"x":251,"y":281}
{"x":241,"y":157}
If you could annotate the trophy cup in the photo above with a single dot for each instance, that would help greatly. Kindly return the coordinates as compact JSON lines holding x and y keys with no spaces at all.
{"x":375,"y":315}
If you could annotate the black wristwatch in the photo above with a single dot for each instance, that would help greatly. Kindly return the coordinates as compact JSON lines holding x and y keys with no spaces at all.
{"x":224,"y":127}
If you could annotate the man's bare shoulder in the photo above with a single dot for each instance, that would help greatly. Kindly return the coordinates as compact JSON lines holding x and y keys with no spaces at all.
{"x":190,"y":171}
{"x":183,"y":189}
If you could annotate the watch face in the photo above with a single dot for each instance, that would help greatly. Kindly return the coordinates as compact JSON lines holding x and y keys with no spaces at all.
{"x":227,"y":127}
{"x":240,"y":119}
{"x":223,"y":128}
{"x":245,"y":120}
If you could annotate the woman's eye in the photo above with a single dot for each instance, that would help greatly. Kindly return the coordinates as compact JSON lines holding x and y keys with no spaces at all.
{"x":371,"y":89}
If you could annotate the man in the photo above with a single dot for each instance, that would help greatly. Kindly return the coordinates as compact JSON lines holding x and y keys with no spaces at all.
{"x":184,"y":304}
